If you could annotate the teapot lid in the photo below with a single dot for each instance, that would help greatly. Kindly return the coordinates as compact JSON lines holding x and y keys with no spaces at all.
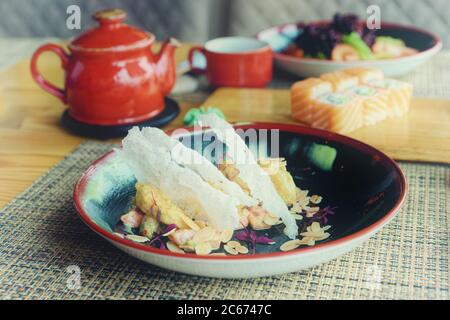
{"x":112,"y":34}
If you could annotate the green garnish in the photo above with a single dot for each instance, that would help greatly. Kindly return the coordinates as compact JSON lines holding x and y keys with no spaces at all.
{"x":336,"y":98}
{"x":365,"y":91}
{"x":321,"y":55}
{"x":191,"y":117}
{"x":322,"y":156}
{"x":353,"y":39}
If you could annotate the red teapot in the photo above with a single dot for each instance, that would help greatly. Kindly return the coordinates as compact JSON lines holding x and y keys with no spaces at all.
{"x":112,"y":77}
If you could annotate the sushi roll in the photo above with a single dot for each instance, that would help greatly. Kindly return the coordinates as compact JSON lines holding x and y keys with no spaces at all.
{"x":340,"y":81}
{"x":338,"y":112}
{"x":303,"y":94}
{"x":365,"y":75}
{"x":374,"y":103}
{"x":399,"y":95}
{"x":343,"y":101}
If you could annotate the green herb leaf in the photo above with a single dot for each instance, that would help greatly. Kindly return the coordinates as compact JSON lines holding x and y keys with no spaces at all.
{"x":353,"y":39}
{"x":191,"y":117}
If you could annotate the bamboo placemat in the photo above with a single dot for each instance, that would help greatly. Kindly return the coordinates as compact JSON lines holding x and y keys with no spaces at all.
{"x":42,"y":237}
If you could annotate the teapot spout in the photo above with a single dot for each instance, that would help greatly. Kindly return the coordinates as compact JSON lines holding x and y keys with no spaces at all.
{"x":165,"y":65}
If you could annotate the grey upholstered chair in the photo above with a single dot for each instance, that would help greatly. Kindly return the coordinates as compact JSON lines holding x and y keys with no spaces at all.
{"x":199,"y":20}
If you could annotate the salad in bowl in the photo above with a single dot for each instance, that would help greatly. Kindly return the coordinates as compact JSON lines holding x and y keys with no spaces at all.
{"x":345,"y":38}
{"x":311,"y":49}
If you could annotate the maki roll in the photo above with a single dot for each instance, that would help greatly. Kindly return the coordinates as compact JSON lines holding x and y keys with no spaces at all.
{"x":340,"y":80}
{"x":374,"y":103}
{"x":304,"y":94}
{"x":337,"y":112}
{"x":399,"y":95}
{"x":365,"y":75}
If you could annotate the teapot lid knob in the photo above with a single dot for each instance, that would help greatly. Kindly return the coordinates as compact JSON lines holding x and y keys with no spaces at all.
{"x":110,"y":16}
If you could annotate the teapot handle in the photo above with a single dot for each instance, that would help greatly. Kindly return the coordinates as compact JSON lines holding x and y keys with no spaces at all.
{"x":191,"y":59}
{"x":44,"y":84}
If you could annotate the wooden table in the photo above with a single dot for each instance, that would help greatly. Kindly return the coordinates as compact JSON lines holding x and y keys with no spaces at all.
{"x":31,"y":140}
{"x":422,"y":135}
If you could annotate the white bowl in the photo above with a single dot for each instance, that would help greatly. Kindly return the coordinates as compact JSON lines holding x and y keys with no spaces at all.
{"x":279,"y":38}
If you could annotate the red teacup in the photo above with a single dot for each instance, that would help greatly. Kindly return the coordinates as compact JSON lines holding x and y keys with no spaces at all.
{"x":235,"y":62}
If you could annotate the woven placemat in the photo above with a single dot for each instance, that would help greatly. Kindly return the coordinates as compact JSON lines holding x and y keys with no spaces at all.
{"x":42,"y":239}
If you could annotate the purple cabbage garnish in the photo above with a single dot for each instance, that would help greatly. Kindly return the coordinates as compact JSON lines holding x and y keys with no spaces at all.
{"x":319,"y":39}
{"x":169,"y":228}
{"x":346,"y":23}
{"x":369,"y":36}
{"x":252,"y":238}
{"x":324,"y":214}
{"x":157,"y":242}
{"x":162,"y":245}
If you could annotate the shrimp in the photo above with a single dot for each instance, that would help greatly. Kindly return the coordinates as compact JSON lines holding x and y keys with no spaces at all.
{"x":344,"y":52}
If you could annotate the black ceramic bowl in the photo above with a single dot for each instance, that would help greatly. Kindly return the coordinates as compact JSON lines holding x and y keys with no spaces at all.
{"x":364,"y":186}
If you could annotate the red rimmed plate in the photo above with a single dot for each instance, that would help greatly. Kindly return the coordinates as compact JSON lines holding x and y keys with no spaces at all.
{"x":365,"y":186}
